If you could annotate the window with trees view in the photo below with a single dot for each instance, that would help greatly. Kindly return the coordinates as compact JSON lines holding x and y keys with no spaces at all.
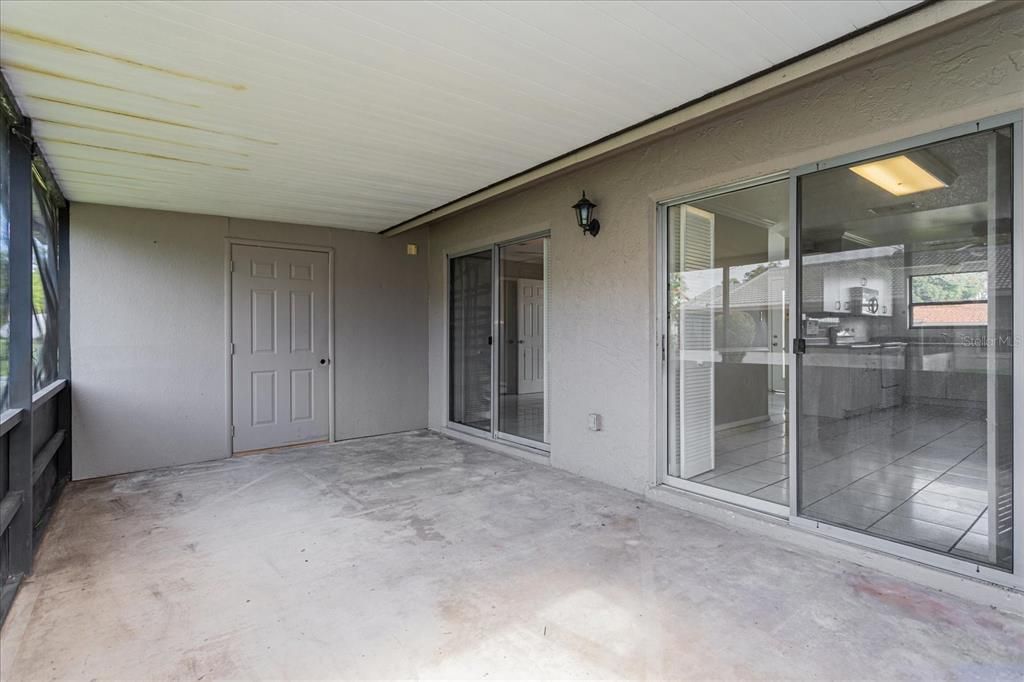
{"x":44,"y":288}
{"x":949,"y":299}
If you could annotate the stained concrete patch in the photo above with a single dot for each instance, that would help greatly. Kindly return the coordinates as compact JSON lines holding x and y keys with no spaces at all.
{"x":417,"y":556}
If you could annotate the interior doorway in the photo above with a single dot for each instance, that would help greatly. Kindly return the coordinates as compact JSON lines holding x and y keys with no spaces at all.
{"x":280,"y":346}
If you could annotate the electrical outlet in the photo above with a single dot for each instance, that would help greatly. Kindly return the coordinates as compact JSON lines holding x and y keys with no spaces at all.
{"x":594,"y":422}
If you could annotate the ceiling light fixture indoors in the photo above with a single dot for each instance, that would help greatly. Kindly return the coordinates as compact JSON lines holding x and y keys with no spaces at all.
{"x":585,"y":215}
{"x":899,"y":175}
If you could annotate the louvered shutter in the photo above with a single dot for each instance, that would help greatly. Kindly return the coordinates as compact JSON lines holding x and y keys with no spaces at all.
{"x":696,"y":403}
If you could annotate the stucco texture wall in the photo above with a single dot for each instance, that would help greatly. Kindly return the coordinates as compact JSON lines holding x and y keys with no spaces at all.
{"x":603,"y":352}
{"x":148,"y":334}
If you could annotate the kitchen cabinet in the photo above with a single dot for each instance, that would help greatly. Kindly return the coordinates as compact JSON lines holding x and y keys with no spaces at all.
{"x":865,"y":379}
{"x":839,"y":278}
{"x":842,"y":382}
{"x":835,"y":288}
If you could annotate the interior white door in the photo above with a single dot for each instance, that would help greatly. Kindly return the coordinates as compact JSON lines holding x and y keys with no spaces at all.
{"x":280,"y":374}
{"x":531,"y":336}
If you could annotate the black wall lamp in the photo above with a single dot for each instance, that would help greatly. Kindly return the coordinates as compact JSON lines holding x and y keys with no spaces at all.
{"x":585,"y":215}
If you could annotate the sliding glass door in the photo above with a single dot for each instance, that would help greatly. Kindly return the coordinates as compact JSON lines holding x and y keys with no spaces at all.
{"x":470,"y":295}
{"x":907,"y":313}
{"x":498,"y":347}
{"x":888,"y":420}
{"x":522,"y":332}
{"x":728,"y":273}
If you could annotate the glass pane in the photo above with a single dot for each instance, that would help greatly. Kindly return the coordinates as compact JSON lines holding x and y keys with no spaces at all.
{"x":728,"y":377}
{"x":44,"y":290}
{"x":949,"y":287}
{"x":907,"y":311}
{"x":522,"y":333}
{"x":469,"y":340}
{"x":5,"y":278}
{"x":950,"y":315}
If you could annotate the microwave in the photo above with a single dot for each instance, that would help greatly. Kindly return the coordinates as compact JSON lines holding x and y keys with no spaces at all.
{"x":864,"y":301}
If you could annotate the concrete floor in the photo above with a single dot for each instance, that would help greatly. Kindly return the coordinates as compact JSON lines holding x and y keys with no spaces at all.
{"x":417,"y":556}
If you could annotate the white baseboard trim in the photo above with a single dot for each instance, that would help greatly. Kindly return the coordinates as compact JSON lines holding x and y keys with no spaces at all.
{"x":742,"y":422}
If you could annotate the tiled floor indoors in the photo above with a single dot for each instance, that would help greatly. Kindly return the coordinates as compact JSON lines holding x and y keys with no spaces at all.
{"x":915,"y":473}
{"x":753,"y":459}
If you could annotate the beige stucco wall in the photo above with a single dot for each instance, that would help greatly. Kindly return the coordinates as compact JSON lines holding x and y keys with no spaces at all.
{"x":148,"y":334}
{"x":603,"y":356}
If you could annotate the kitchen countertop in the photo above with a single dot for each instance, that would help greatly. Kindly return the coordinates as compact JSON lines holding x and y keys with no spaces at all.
{"x":864,"y":355}
{"x":860,"y":345}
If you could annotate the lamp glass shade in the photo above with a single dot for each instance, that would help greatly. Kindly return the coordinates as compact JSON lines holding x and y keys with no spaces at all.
{"x":584,"y":210}
{"x":899,"y":175}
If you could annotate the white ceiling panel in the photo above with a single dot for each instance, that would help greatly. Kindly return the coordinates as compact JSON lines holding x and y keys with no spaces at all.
{"x":364,"y":114}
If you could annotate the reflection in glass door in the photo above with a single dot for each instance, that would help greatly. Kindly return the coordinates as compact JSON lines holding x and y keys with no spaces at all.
{"x":522,"y":334}
{"x":470,"y":296}
{"x":906,"y":308}
{"x":728,"y":272}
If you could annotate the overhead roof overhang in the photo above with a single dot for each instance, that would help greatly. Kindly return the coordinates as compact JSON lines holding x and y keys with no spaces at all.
{"x":371,"y":116}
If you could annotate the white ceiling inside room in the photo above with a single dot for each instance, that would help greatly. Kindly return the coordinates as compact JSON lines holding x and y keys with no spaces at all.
{"x":363,"y":115}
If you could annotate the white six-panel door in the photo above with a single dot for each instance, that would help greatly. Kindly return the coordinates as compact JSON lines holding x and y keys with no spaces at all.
{"x":531,"y":336}
{"x":280,"y":373}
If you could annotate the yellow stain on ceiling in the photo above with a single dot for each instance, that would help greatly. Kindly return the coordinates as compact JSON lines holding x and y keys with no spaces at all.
{"x":26,"y":68}
{"x":113,"y":131}
{"x":73,"y":171}
{"x":26,"y":36}
{"x":149,"y":155}
{"x":116,"y":185}
{"x":150,"y":119}
{"x":136,"y":189}
{"x":61,"y":157}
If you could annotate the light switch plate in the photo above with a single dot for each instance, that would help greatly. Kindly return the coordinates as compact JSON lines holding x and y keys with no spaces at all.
{"x":594,"y":422}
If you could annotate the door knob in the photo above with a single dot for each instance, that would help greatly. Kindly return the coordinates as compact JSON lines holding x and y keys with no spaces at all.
{"x":323,"y":361}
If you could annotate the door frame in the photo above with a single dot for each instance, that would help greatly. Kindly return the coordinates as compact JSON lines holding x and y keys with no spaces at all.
{"x":661,"y":301}
{"x":954,"y":565}
{"x":229,"y":242}
{"x":494,"y":433}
